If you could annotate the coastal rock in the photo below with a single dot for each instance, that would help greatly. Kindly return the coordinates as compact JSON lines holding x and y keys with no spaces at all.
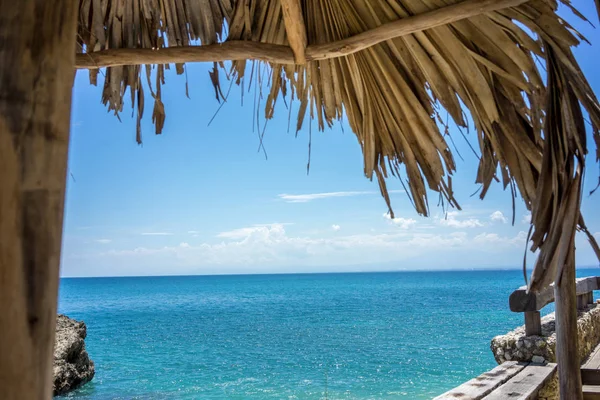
{"x":72,"y":364}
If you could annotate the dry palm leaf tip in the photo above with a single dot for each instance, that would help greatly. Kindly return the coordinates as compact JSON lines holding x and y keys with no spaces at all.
{"x":399,"y":70}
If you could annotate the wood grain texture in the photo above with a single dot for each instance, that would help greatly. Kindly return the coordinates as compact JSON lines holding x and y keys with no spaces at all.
{"x":525,"y":385}
{"x":36,"y":78}
{"x":295,"y":28}
{"x":566,"y":333}
{"x":405,"y":26}
{"x":242,"y":50}
{"x":533,"y":323}
{"x":485,"y":383}
{"x":521,"y":300}
{"x":227,"y":51}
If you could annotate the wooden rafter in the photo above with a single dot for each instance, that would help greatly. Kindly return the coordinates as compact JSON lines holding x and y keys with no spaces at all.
{"x":243,"y":50}
{"x":295,"y":28}
{"x":227,"y":51}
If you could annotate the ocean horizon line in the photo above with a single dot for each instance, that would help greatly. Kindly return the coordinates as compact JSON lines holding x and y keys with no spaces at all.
{"x":431,"y":270}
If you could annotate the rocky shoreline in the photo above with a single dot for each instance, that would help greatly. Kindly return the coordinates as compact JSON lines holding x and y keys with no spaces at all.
{"x":72,"y":364}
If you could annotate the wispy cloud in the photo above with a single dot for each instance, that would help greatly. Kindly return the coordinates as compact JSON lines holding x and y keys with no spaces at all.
{"x":336,"y":227}
{"x":305,"y":198}
{"x":497,"y":216}
{"x":253,"y":231}
{"x":451,"y":220}
{"x":103,"y":241}
{"x":402,"y":223}
{"x":193,"y":232}
{"x":526,"y":218}
{"x":156,"y":234}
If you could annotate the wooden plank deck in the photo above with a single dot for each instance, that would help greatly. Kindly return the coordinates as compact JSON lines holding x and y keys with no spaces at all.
{"x":525,"y":385}
{"x":590,"y":370}
{"x":485,"y":383}
{"x":590,"y":376}
{"x":591,"y":392}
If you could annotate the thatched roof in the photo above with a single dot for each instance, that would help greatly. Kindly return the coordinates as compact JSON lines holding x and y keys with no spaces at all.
{"x":398,"y":70}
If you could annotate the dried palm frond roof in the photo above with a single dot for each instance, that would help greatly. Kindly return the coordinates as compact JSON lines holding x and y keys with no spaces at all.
{"x":392,"y":67}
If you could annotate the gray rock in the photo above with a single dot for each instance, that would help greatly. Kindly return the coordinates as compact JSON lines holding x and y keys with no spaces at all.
{"x":519,"y":344}
{"x":72,"y":364}
{"x":538,"y":360}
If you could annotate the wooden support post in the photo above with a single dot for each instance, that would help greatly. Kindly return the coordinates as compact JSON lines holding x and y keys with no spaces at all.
{"x":582,"y":301}
{"x":295,"y":28}
{"x":533,"y":323}
{"x":36,"y":76}
{"x":567,"y":356}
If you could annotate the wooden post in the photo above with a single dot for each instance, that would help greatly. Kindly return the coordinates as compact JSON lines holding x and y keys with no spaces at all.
{"x":533,"y":323}
{"x":567,"y":356}
{"x":582,"y":301}
{"x":37,"y":54}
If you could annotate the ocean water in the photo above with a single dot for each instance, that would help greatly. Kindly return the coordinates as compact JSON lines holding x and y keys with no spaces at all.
{"x":409,"y":335}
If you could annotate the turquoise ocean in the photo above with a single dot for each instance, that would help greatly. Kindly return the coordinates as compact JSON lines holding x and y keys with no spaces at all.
{"x":409,"y":335}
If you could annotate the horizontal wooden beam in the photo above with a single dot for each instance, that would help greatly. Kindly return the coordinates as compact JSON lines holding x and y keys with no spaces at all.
{"x":227,"y":51}
{"x":521,"y":301}
{"x":242,"y":50}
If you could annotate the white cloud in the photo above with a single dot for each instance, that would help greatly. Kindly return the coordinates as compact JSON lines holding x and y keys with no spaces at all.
{"x":451,"y":221}
{"x":270,"y":249}
{"x":103,"y":241}
{"x":193,"y":232}
{"x":494,"y":238}
{"x":257,"y":231}
{"x":336,"y":227}
{"x":526,"y":219}
{"x":305,"y":198}
{"x":156,"y":234}
{"x":403,"y":223}
{"x":497,"y":216}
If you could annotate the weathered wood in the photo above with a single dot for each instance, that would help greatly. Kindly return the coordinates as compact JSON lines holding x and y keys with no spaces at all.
{"x":231,"y":50}
{"x":591,"y":392}
{"x":485,"y":383}
{"x":533,"y":323}
{"x":241,"y":50}
{"x":525,"y":385}
{"x":567,"y":356}
{"x":520,"y":300}
{"x":405,"y":26}
{"x":295,"y":28}
{"x":582,"y":301}
{"x":590,"y":370}
{"x":37,"y":48}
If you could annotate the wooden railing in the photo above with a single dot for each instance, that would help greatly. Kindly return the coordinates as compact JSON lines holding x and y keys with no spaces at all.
{"x":532,"y":303}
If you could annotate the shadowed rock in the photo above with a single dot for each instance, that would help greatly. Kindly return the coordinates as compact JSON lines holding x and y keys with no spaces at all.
{"x":72,"y":365}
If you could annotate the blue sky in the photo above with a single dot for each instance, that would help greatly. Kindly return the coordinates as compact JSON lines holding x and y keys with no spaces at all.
{"x":201,"y":199}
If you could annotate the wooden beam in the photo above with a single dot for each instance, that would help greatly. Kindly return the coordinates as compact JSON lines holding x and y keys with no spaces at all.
{"x":405,"y":26}
{"x":522,"y":301}
{"x":567,"y":356}
{"x":295,"y":28}
{"x":242,"y":50}
{"x":36,"y":79}
{"x":227,"y":51}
